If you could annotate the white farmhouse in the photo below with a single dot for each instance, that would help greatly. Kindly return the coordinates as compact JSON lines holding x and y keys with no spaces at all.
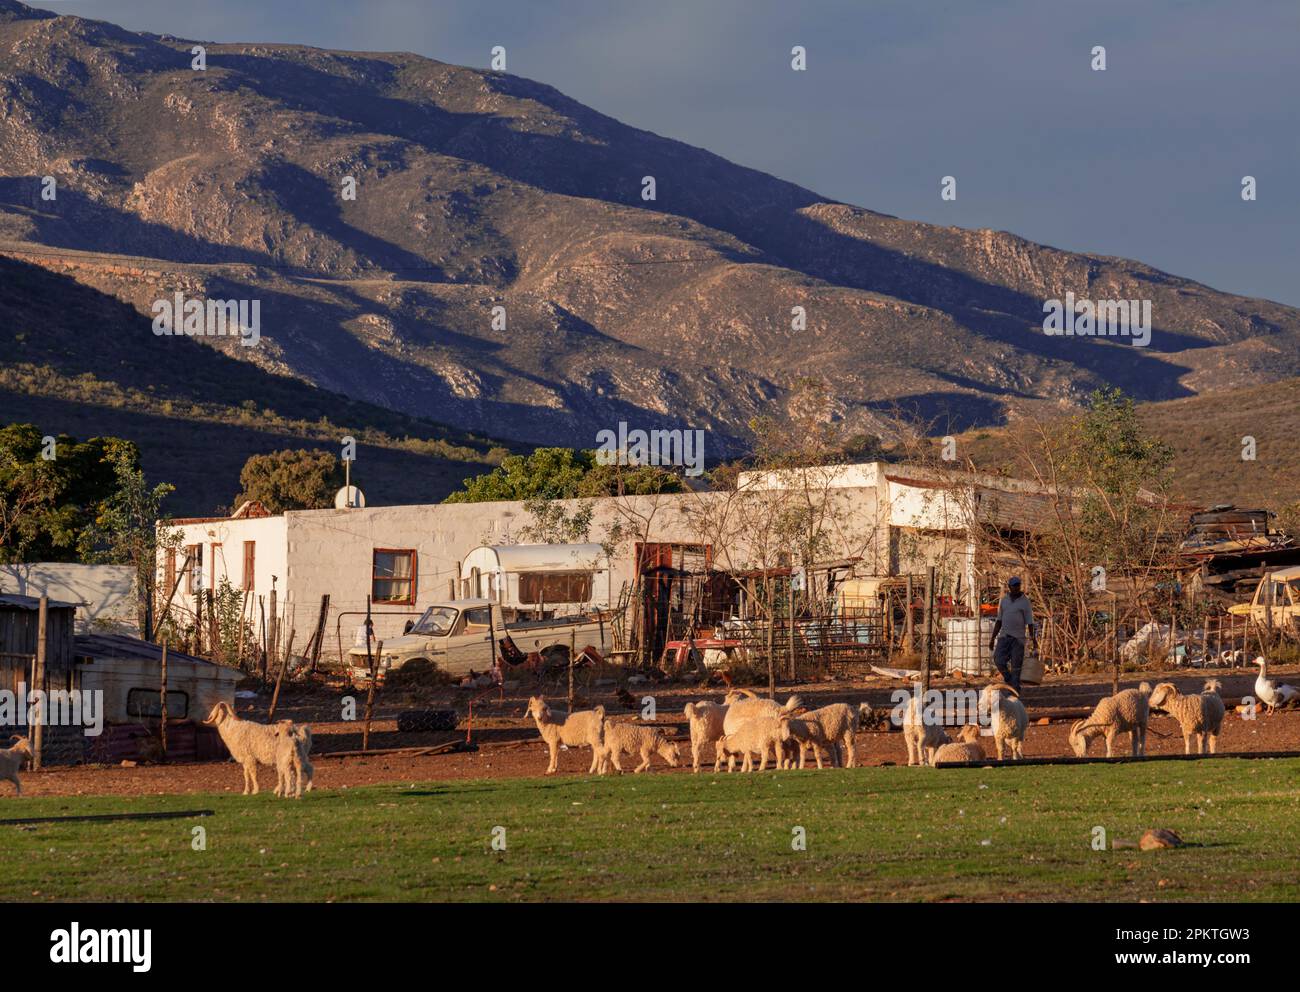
{"x":885,"y":519}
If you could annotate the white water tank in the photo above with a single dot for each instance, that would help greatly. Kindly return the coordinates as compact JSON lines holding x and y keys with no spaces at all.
{"x":968,"y":646}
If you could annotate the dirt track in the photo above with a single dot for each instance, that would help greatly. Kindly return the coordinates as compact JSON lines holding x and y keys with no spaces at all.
{"x":509,"y":746}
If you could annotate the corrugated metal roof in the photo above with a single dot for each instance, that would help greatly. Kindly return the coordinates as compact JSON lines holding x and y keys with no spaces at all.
{"x":13,"y":601}
{"x":122,"y":646}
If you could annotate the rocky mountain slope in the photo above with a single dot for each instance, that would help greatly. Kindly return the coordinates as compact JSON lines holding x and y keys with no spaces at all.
{"x":477,"y":190}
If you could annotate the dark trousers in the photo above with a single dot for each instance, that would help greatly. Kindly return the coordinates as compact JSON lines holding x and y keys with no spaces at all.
{"x":1009,"y":657}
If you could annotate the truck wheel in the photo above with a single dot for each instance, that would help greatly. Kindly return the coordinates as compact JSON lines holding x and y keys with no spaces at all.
{"x":555,"y":660}
{"x":414,"y":721}
{"x":418,"y":673}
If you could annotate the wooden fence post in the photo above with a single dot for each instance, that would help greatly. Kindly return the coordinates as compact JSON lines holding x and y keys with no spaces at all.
{"x":929,"y":630}
{"x":284,"y":663}
{"x":38,"y":678}
{"x":162,"y":725}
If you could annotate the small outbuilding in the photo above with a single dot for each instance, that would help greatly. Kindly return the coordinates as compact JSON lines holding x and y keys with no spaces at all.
{"x":128,"y":672}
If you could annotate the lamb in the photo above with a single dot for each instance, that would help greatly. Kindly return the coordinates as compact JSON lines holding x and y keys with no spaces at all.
{"x":293,"y":767}
{"x":922,"y":736}
{"x":1009,"y":718}
{"x":756,"y":736}
{"x":1200,"y":716}
{"x":832,"y":727}
{"x":706,"y":720}
{"x":637,"y":739}
{"x":250,"y":743}
{"x":742,"y":704}
{"x":1125,"y":712}
{"x":966,"y":748}
{"x":804,"y":734}
{"x":11,"y":759}
{"x":585,"y":728}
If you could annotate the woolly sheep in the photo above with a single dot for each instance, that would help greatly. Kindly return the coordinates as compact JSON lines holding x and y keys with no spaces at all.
{"x":249,"y":743}
{"x":1009,"y":719}
{"x":585,"y":728}
{"x":1126,"y":712}
{"x":836,"y":726}
{"x":743,"y":704}
{"x":636,"y":739}
{"x":966,"y":748}
{"x":1200,"y":716}
{"x":922,"y":736}
{"x":11,"y":759}
{"x":706,"y":721}
{"x":756,"y":736}
{"x":805,"y":734}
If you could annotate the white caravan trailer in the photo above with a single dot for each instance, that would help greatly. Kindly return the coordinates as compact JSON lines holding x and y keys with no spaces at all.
{"x":539,"y":579}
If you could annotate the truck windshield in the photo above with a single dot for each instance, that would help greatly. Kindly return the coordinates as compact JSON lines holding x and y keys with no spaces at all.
{"x":437,"y":621}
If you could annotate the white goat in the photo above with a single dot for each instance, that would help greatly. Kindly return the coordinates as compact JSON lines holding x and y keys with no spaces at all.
{"x":11,"y":759}
{"x":706,"y":720}
{"x":923,"y":737}
{"x":249,"y":743}
{"x":1009,"y":719}
{"x":1199,"y":716}
{"x":585,"y":728}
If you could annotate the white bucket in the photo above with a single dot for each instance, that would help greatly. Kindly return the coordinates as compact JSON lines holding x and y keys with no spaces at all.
{"x":968,"y":645}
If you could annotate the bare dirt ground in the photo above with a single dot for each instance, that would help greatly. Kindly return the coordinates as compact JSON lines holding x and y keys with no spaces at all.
{"x":509,"y":745}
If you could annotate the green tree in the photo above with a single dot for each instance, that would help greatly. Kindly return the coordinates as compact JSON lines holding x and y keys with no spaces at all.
{"x":47,"y":502}
{"x":128,"y":527}
{"x":291,"y":480}
{"x":563,"y":473}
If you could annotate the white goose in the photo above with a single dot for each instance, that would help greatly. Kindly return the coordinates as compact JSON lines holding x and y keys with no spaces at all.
{"x":1273,"y":694}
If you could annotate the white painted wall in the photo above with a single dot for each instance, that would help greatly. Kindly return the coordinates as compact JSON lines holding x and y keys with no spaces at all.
{"x":271,"y":556}
{"x":105,"y":593}
{"x":867,"y":475}
{"x":927,"y":508}
{"x":315,"y":552}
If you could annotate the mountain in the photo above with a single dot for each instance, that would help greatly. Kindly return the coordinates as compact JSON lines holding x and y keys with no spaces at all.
{"x":196,"y":414}
{"x":477,"y":190}
{"x":1207,"y":434}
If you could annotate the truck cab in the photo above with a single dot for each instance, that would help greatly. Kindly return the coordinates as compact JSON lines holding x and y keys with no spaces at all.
{"x":456,"y":637}
{"x":1276,"y":602}
{"x":462,"y":635}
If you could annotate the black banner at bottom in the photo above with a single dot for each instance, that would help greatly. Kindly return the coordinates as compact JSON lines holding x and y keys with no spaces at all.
{"x":1075,"y":942}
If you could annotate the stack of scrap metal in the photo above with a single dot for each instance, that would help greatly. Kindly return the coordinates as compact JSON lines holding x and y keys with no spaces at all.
{"x":1233,"y":547}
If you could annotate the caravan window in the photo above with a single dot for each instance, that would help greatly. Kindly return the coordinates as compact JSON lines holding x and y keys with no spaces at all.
{"x":554,"y":587}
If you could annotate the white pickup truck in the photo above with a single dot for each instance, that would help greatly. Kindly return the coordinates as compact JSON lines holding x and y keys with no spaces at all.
{"x":472,"y":634}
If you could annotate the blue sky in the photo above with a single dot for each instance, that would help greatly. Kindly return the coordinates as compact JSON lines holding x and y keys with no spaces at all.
{"x":1144,"y":160}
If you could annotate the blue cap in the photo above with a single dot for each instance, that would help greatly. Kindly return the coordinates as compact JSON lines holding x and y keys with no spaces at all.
{"x":1014,"y":580}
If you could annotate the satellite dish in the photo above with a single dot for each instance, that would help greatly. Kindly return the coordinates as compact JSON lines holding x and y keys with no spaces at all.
{"x":349,"y":497}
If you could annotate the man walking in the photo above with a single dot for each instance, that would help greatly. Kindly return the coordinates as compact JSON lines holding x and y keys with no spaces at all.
{"x":1015,"y":619}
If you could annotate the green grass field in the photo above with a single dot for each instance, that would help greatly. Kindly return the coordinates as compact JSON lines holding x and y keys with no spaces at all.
{"x":871,"y":833}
